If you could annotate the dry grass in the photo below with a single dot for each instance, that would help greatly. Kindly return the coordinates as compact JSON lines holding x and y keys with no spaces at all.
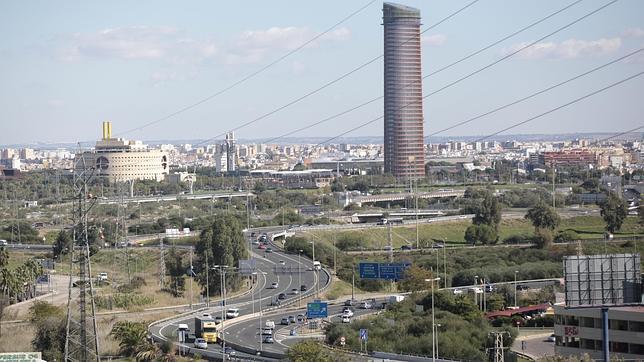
{"x":16,"y":342}
{"x":339,"y":288}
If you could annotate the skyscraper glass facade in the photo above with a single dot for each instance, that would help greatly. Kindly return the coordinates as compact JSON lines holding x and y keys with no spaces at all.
{"x":403,"y":103}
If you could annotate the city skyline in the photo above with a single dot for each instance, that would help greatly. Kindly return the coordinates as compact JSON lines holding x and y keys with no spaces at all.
{"x":77,"y":68}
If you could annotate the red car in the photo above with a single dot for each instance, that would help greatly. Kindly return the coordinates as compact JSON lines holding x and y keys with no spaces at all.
{"x":261,"y":246}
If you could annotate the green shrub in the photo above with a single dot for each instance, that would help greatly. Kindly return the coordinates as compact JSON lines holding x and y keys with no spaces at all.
{"x":566,"y":235}
{"x":123,"y":301}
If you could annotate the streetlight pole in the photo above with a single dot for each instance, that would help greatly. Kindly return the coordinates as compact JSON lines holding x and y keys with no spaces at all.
{"x":207,"y":282}
{"x":299,"y":275}
{"x":476,"y":299}
{"x":515,"y":287}
{"x":222,"y":291}
{"x":433,"y":319}
{"x":261,"y":341}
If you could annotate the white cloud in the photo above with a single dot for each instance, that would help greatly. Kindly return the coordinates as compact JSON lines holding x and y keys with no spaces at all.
{"x":433,"y":40}
{"x":170,"y":45}
{"x":567,"y":49}
{"x":634,"y":32}
{"x":253,"y":45}
{"x":297,"y":67}
{"x":55,"y":103}
{"x":136,"y":42}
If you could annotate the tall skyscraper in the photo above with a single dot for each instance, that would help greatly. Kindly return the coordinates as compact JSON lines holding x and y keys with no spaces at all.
{"x":404,"y":144}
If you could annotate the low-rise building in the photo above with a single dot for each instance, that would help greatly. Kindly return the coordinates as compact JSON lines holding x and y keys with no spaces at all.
{"x":579,"y":331}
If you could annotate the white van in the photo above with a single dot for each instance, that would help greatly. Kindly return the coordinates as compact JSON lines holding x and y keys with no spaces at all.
{"x":317,"y":265}
{"x":232,"y":313}
{"x":270,"y":324}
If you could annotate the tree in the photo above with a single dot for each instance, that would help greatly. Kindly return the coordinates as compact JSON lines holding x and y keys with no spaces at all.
{"x":4,"y":302}
{"x":489,"y":213}
{"x":414,"y":279}
{"x":131,"y":337}
{"x":543,"y":217}
{"x":4,"y":257}
{"x":222,"y":243}
{"x":176,"y":269}
{"x":336,"y":186}
{"x":614,"y":211}
{"x":308,"y":351}
{"x":62,"y":243}
{"x":299,"y":167}
{"x":50,"y":326}
{"x":483,"y":233}
{"x":259,"y":187}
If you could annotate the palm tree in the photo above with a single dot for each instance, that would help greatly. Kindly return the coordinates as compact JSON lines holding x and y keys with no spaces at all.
{"x":132,"y":337}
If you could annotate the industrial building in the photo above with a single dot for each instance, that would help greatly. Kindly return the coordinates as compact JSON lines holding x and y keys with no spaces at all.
{"x":403,"y":102}
{"x":118,"y":159}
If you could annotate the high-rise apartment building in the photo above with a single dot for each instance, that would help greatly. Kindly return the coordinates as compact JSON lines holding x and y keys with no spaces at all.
{"x":403,"y":107}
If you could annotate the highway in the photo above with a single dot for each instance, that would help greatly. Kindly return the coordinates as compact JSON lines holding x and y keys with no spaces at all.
{"x":287,"y":275}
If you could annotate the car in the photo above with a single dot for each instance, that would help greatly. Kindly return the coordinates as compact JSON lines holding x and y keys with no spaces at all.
{"x":255,"y":242}
{"x":261,"y":246}
{"x":458,"y":291}
{"x":303,"y":288}
{"x":267,"y":332}
{"x":489,"y":288}
{"x":3,"y":242}
{"x":274,"y":285}
{"x":291,"y":319}
{"x":301,"y":318}
{"x":281,"y":296}
{"x":387,"y":248}
{"x":317,"y":265}
{"x":102,"y":276}
{"x":206,"y":315}
{"x":347,"y":311}
{"x":269,"y":250}
{"x":438,"y":245}
{"x":346,"y":319}
{"x":218,"y":319}
{"x":294,"y":291}
{"x":201,"y":343}
{"x":522,"y":287}
{"x":551,"y":338}
{"x":405,"y":247}
{"x":270,"y":324}
{"x":282,"y":262}
{"x":365,"y":305}
{"x":350,"y":302}
{"x":232,"y":313}
{"x":285,"y":321}
{"x":268,"y":339}
{"x":230,"y":351}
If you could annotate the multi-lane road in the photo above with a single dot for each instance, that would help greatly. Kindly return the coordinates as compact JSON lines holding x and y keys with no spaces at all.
{"x":289,"y":271}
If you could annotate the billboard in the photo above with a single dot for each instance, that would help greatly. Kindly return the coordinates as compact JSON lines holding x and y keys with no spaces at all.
{"x":602,"y":280}
{"x":387,"y":271}
{"x":247,"y":266}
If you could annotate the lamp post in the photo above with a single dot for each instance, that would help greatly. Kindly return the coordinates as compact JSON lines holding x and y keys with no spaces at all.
{"x":476,"y":297}
{"x":261,"y":344}
{"x":515,"y":287}
{"x":315,"y":273}
{"x":222,"y":287}
{"x":433,"y":320}
{"x":299,"y":275}
{"x":437,"y":326}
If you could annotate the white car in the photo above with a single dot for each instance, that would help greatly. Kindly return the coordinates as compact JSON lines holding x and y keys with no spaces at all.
{"x":347,"y":312}
{"x":458,"y":291}
{"x":201,"y":343}
{"x":232,"y":313}
{"x":282,"y":262}
{"x":346,"y":318}
{"x":274,"y":285}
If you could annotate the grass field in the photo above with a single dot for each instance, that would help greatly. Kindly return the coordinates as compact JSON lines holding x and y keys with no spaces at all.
{"x":452,"y":232}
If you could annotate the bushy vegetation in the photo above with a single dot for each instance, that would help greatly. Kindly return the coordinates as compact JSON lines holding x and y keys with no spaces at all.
{"x":459,"y":318}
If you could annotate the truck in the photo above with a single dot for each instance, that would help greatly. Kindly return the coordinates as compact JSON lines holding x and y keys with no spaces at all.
{"x":396,"y":298}
{"x":206,"y":328}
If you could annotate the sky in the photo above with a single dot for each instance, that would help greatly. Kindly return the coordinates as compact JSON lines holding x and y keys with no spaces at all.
{"x":66,"y":66}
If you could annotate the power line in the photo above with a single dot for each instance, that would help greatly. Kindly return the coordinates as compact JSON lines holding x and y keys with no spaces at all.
{"x":561,"y":106}
{"x":536,"y":93}
{"x":479,"y":70}
{"x":432,"y":73}
{"x":328,"y":84}
{"x":251,"y":75}
{"x":619,"y":134}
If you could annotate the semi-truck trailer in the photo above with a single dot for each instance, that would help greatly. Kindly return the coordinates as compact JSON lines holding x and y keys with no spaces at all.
{"x":206,"y":328}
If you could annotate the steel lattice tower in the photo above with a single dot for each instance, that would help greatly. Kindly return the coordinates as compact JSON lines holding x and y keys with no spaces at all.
{"x":81,"y":341}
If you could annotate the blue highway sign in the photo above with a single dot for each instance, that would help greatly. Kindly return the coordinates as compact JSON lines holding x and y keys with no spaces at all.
{"x":369,"y":270}
{"x":317,"y":310}
{"x":364,"y":335}
{"x":388,"y":271}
